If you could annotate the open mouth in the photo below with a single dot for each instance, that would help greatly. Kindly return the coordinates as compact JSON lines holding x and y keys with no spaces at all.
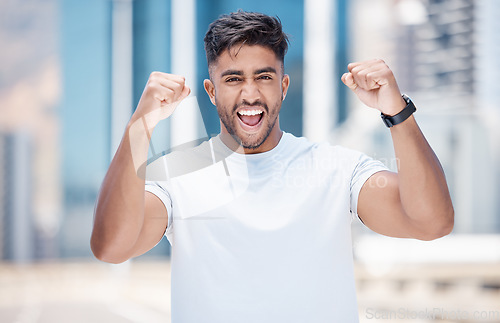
{"x":250,"y":118}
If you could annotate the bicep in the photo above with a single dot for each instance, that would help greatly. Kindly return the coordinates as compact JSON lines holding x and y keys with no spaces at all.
{"x":154,"y":224}
{"x":380,"y":208}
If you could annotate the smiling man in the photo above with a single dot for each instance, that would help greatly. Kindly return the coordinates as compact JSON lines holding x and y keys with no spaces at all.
{"x":248,"y":93}
{"x":263,"y":234}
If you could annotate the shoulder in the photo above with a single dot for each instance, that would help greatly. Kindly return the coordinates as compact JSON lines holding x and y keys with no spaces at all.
{"x":180,"y":160}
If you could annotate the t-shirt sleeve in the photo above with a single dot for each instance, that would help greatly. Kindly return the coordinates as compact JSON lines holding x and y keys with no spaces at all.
{"x":162,"y":193}
{"x":364,"y":169}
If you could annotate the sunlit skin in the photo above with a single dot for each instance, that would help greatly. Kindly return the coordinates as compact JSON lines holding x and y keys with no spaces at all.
{"x":248,"y":78}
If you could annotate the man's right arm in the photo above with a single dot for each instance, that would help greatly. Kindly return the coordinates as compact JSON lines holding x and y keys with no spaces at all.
{"x":128,"y":221}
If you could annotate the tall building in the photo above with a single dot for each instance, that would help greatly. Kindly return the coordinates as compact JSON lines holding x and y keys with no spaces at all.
{"x":85,"y":113}
{"x":446,"y":69}
{"x":438,"y":52}
{"x":443,"y":55}
{"x":30,"y":203}
{"x":17,"y":227}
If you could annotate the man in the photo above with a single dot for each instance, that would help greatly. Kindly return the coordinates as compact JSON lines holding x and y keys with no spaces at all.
{"x":266,"y":237}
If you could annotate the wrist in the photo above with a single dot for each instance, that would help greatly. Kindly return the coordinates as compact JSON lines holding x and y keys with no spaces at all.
{"x":397,"y":108}
{"x":147,"y":121}
{"x":402,"y":115}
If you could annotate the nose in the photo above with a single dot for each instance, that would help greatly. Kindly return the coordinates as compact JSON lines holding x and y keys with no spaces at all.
{"x":250,"y":91}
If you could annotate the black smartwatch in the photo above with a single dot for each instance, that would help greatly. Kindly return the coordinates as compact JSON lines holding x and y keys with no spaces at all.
{"x":401,"y":116}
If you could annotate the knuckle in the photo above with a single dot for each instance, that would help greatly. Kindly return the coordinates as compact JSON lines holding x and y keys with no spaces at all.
{"x":169,"y":93}
{"x":181,"y":82}
{"x":176,"y":77}
{"x":356,"y":69}
{"x":154,"y":75}
{"x":177,"y":86}
{"x":152,"y":85}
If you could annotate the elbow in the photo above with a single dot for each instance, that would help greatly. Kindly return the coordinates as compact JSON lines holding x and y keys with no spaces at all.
{"x":109,"y":257}
{"x":106,"y":254}
{"x":440,"y":228}
{"x":107,"y":247}
{"x":447,"y":222}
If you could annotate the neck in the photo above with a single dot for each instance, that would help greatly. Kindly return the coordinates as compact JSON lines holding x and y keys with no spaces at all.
{"x":271,"y":141}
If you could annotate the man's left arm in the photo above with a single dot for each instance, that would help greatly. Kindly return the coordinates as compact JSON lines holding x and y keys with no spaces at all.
{"x":415,"y":202}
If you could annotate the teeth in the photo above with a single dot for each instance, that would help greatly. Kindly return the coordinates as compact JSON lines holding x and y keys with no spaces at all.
{"x":250,"y":112}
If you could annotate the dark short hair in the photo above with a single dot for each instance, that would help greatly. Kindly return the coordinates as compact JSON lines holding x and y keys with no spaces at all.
{"x":249,"y":28}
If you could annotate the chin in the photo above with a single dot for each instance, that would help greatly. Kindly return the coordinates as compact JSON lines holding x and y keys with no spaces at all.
{"x":248,"y":142}
{"x":254,"y":141}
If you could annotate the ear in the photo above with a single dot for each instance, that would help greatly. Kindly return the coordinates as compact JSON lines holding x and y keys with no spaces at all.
{"x":210,"y":89}
{"x":285,"y":83}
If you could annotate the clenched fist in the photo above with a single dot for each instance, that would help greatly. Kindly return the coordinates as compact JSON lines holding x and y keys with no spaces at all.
{"x":375,"y":85}
{"x":162,"y":94}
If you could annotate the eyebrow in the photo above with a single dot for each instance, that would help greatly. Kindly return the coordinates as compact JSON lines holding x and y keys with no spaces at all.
{"x":259,"y":71}
{"x":266,"y":70}
{"x":231,"y":72}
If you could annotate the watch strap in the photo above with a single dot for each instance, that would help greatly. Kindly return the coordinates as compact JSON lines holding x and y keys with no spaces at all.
{"x":404,"y":114}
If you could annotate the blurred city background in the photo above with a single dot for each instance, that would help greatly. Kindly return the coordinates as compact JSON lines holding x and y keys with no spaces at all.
{"x":71,"y":73}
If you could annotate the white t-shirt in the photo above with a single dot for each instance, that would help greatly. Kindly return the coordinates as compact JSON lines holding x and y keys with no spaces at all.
{"x":263,"y":237}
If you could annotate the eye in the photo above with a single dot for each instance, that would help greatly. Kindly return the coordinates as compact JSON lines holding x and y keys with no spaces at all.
{"x":233,"y":79}
{"x":265,"y":77}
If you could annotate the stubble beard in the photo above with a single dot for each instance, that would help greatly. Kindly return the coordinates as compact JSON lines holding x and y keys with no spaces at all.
{"x":252,"y":141}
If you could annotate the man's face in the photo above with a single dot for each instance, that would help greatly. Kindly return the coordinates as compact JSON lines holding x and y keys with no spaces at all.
{"x":247,"y":85}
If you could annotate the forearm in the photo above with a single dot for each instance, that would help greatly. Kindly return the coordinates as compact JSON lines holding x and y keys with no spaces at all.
{"x":422,"y":185}
{"x":119,"y":213}
{"x":123,"y":225}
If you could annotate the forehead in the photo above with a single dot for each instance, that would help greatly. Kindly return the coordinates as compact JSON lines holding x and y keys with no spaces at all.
{"x":246,"y":59}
